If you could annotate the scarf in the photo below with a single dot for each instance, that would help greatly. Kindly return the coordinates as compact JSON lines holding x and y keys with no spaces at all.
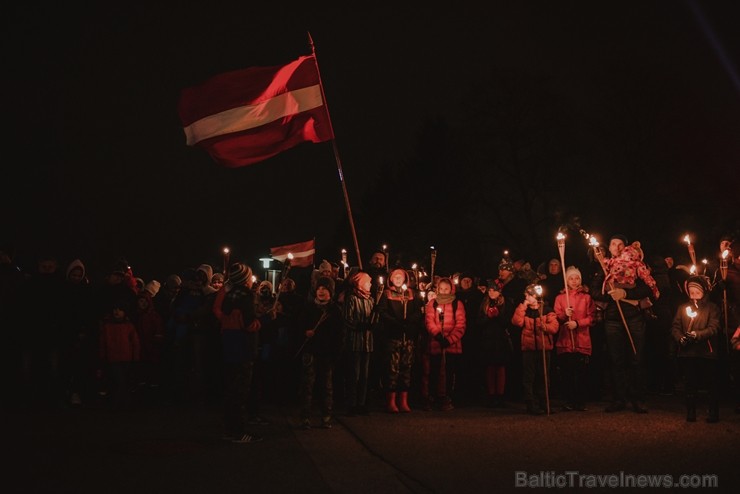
{"x":445,"y":299}
{"x":360,"y":292}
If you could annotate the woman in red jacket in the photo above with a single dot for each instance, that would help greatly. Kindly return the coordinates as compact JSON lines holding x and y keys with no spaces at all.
{"x":445,"y":322}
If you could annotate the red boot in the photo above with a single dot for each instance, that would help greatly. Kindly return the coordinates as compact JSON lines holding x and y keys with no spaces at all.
{"x":404,"y":397}
{"x":390,"y":404}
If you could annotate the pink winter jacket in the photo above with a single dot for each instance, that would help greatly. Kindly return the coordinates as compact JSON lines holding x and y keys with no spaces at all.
{"x":453,"y":329}
{"x":532,"y":328}
{"x":583,"y":307}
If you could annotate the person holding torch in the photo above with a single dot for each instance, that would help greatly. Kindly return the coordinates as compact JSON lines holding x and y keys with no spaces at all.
{"x":401,"y":314}
{"x":539,"y":325}
{"x":696,"y":329}
{"x":575,"y":311}
{"x":445,"y":322}
{"x":623,"y":282}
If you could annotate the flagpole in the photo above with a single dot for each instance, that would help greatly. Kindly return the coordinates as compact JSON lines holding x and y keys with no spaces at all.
{"x":336,"y":157}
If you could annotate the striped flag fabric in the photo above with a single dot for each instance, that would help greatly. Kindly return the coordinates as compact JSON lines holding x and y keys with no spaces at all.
{"x":246,"y":116}
{"x":303,"y":253}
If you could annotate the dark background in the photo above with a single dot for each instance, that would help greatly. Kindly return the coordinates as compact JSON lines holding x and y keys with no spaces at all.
{"x":470,"y":129}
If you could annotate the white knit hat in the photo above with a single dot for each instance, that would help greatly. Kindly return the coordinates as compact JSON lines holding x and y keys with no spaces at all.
{"x":152,"y":287}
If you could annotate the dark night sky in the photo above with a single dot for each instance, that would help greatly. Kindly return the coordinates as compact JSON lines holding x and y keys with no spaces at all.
{"x":99,"y":166}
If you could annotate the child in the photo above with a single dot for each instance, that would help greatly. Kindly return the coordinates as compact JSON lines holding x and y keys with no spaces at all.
{"x":695,"y":328}
{"x":495,"y":340}
{"x":119,"y":349}
{"x":150,"y":329}
{"x":575,"y":312}
{"x":445,"y":322}
{"x":539,"y":323}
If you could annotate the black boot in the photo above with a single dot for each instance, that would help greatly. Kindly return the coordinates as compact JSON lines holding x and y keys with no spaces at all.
{"x":690,"y":408}
{"x":531,"y":410}
{"x":713,"y":416}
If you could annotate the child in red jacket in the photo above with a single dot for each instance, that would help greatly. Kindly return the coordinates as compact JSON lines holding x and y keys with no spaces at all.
{"x":539,"y":325}
{"x":119,"y":349}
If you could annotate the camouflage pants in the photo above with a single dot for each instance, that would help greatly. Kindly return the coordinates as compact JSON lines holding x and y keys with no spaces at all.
{"x":399,"y":361}
{"x":313,"y":367}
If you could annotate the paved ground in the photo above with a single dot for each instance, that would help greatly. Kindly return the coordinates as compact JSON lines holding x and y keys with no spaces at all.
{"x":471,"y":449}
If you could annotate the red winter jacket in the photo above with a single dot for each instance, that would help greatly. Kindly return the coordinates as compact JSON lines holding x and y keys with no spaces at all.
{"x":452,"y":327}
{"x":583,"y":314}
{"x":532,"y":328}
{"x":119,"y":342}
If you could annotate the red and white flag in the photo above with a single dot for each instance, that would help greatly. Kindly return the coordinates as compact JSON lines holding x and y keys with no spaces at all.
{"x":302,"y":253}
{"x":246,"y":116}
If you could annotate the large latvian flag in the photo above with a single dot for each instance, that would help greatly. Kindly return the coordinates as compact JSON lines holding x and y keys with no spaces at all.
{"x":302,"y":253}
{"x":246,"y":116}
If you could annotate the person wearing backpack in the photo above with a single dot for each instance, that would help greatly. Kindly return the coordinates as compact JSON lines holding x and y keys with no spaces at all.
{"x":445,"y":324}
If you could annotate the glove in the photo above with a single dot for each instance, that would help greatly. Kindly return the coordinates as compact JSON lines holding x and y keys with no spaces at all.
{"x":441,"y":340}
{"x":688,"y":338}
{"x":618,"y":294}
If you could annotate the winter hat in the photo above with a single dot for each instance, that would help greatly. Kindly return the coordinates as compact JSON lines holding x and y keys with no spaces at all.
{"x":76,"y":264}
{"x":573,"y":270}
{"x":173,"y":281}
{"x":152,"y":287}
{"x":506,"y":264}
{"x":464,"y":275}
{"x":121,"y":304}
{"x":531,"y":290}
{"x":238,"y":273}
{"x":399,"y":270}
{"x":619,"y":236}
{"x":698,"y":282}
{"x":325,"y":266}
{"x":208,"y":270}
{"x":327,"y":283}
{"x":120,"y":267}
{"x":359,"y":277}
{"x":495,"y":284}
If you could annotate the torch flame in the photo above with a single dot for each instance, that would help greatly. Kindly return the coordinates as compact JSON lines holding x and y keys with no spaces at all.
{"x":692,"y":271}
{"x":593,"y":242}
{"x":290,"y":255}
{"x":439,"y":309}
{"x":404,"y":287}
{"x":413,"y":266}
{"x":690,"y":312}
{"x":687,"y":239}
{"x":538,"y":290}
{"x":725,"y":253}
{"x":380,"y":280}
{"x":226,"y":250}
{"x":560,"y":236}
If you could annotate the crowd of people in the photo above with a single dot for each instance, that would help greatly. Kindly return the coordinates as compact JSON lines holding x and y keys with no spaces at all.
{"x":555,"y":338}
